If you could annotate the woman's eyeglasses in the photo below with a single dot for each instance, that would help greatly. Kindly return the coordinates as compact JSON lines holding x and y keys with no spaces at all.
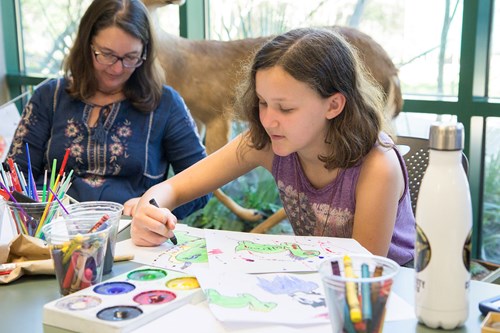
{"x":110,"y":59}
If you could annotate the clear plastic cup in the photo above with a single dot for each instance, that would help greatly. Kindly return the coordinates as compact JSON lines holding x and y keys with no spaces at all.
{"x":29,"y":217}
{"x":97,"y":210}
{"x":357,"y":300}
{"x":77,"y":249}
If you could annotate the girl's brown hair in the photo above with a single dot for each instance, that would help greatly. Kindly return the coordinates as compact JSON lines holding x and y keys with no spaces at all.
{"x":328,"y":64}
{"x":144,"y":87}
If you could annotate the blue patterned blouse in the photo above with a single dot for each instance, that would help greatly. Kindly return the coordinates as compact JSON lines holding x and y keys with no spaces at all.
{"x":126,"y":153}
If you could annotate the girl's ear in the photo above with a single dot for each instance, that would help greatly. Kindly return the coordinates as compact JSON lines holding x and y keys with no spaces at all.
{"x":337,"y":103}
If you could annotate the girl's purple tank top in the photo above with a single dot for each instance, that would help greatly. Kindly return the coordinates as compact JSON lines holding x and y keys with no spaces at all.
{"x":329,"y":211}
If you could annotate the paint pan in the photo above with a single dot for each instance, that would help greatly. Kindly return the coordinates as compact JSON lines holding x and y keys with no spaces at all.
{"x":124,"y":303}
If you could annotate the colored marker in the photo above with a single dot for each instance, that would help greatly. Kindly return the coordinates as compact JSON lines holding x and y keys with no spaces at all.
{"x":351,"y":294}
{"x":154,"y":203}
{"x":53,"y":173}
{"x":44,"y":188}
{"x":59,"y":201}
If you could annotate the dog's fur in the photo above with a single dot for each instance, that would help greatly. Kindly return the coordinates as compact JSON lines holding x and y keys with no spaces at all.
{"x":205,"y":73}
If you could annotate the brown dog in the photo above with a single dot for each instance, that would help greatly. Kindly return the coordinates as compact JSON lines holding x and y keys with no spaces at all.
{"x":205,"y":73}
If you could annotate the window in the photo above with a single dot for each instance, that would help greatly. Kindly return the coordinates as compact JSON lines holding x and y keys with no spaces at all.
{"x":49,"y":27}
{"x":490,"y":229}
{"x":417,"y":49}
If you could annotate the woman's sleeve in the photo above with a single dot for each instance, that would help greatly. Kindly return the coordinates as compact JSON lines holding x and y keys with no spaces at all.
{"x":33,"y":129}
{"x":183,"y":148}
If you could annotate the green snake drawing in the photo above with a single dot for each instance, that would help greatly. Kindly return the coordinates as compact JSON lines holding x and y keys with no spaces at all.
{"x":239,"y":301}
{"x":293,"y":248}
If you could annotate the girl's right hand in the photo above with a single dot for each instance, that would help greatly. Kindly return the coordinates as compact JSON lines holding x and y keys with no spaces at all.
{"x":152,"y":226}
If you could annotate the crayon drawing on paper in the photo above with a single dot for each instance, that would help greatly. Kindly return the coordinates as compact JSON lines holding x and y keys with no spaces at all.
{"x":266,"y":298}
{"x":189,"y":251}
{"x":256,"y":253}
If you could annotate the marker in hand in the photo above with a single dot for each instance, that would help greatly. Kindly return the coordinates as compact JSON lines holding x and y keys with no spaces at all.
{"x":154,"y":203}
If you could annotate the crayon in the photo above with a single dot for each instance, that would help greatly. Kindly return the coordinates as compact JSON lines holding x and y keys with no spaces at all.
{"x":68,"y":277}
{"x":348,"y":326}
{"x":154,"y":203}
{"x":366,"y":302}
{"x":87,"y":278}
{"x":75,"y":244}
{"x":96,"y":226}
{"x":376,"y":285}
{"x":80,"y":272}
{"x":351,"y":292}
{"x":57,"y":255}
{"x":379,"y":307}
{"x":124,"y":257}
{"x":335,"y":268}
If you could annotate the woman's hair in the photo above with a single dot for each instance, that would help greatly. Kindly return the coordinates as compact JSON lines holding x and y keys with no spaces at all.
{"x":144,"y":87}
{"x":328,"y":64}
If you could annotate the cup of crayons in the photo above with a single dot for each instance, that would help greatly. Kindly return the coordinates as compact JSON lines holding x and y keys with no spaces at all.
{"x":77,"y":247}
{"x":357,"y":288}
{"x":108,"y":211}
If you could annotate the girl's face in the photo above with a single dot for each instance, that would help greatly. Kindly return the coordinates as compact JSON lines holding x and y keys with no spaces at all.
{"x":114,"y":41}
{"x":294,"y":116}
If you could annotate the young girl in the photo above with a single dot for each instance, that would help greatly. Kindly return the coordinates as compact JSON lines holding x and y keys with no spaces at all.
{"x":315,"y":123}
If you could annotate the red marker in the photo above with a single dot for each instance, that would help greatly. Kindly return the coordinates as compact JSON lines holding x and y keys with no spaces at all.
{"x":14,"y":176}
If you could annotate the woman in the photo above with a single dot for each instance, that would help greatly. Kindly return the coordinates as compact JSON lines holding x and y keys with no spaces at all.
{"x":315,"y":123}
{"x":122,"y":127}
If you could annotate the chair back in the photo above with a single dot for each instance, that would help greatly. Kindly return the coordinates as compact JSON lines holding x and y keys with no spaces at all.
{"x":417,"y":159}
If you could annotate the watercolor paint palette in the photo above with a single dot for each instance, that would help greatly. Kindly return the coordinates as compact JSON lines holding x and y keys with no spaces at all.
{"x":125,"y":302}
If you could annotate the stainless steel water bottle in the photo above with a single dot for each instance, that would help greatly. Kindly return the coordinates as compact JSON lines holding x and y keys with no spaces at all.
{"x":444,"y":226}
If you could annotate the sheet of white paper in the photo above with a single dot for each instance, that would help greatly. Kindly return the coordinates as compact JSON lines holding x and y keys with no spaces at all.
{"x":262,"y":253}
{"x":124,"y":223}
{"x":265,"y":298}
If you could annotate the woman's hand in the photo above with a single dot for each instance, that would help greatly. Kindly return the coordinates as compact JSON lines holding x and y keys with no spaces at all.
{"x":152,"y":226}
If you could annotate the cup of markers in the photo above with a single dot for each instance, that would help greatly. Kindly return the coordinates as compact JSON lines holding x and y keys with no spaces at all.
{"x":28,"y":215}
{"x":357,"y":288}
{"x":77,"y":247}
{"x":108,"y":211}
